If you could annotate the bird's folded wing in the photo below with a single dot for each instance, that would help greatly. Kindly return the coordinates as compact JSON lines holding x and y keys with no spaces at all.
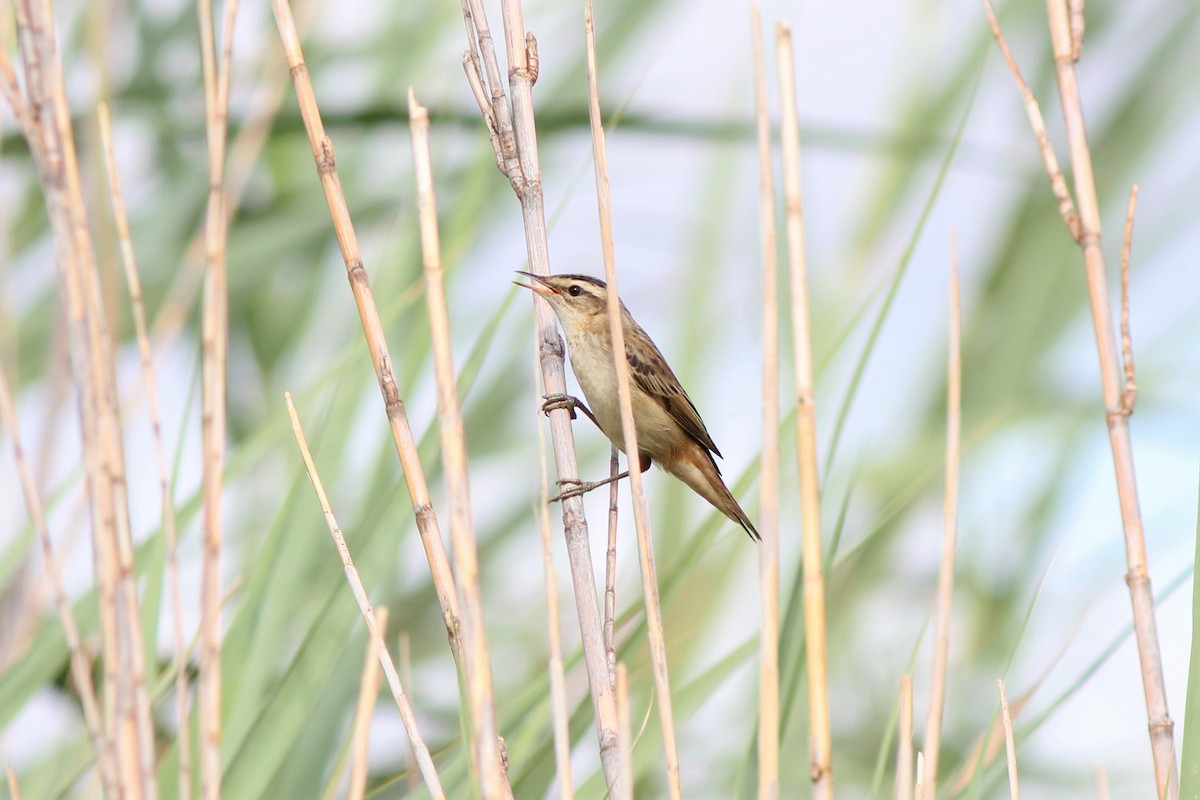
{"x":654,"y":377}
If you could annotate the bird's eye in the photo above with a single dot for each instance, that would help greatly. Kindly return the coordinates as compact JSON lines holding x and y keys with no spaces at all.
{"x":574,"y":291}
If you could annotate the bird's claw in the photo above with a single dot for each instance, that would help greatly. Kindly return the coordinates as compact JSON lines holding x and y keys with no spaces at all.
{"x":560,"y":400}
{"x":579,"y":488}
{"x":583,"y":487}
{"x":556,"y":401}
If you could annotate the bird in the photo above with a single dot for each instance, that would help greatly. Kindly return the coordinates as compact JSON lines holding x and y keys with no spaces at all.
{"x":670,"y":431}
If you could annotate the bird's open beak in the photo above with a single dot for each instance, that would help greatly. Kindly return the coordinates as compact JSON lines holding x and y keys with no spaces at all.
{"x":537,"y":284}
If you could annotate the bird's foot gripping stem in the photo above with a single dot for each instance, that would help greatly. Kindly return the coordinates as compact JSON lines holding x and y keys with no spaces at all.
{"x":583,"y":487}
{"x":556,"y":401}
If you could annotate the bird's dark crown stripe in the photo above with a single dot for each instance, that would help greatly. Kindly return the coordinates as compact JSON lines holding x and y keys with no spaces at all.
{"x":599,"y":284}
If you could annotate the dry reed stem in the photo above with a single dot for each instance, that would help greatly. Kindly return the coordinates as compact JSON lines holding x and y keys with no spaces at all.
{"x":991,"y":741}
{"x":94,"y":46}
{"x":610,"y":567}
{"x":261,"y":110}
{"x":14,"y":788}
{"x":1065,"y":36}
{"x":424,"y":760}
{"x":1101,"y":782}
{"x":1075,"y":8}
{"x":493,"y":783}
{"x":820,"y":745}
{"x":368,"y":312}
{"x":514,"y":137}
{"x":481,"y":58}
{"x":51,"y":143}
{"x":641,"y":512}
{"x":919,"y":788}
{"x":81,"y":671}
{"x":11,"y":91}
{"x":768,"y":517}
{"x":60,"y":389}
{"x":216,"y":69}
{"x":368,"y":690}
{"x":1010,"y":748}
{"x":1066,"y":206}
{"x":49,"y":121}
{"x":945,"y":591}
{"x":133,"y":283}
{"x":412,"y":777}
{"x":1129,"y":392}
{"x":559,"y":712}
{"x":904,"y":742}
{"x":42,"y":136}
{"x":624,"y":789}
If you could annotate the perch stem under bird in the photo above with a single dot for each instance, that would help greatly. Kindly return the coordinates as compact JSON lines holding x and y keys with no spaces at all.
{"x":669,"y":429}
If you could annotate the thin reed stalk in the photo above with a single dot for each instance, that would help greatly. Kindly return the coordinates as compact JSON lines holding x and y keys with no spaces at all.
{"x":820,"y":744}
{"x":424,"y":760}
{"x":904,"y":742}
{"x":81,"y":670}
{"x":133,"y":283}
{"x":368,"y":690}
{"x":1129,"y":391}
{"x":368,"y":312}
{"x":44,"y":117}
{"x":1010,"y":748}
{"x":625,"y":787}
{"x":559,"y":712}
{"x":1058,"y":184}
{"x":1066,"y":34}
{"x":244,"y":150}
{"x":1101,"y":782}
{"x":214,"y":386}
{"x":641,"y":511}
{"x":768,"y":517}
{"x":486,"y":749}
{"x":412,"y":776}
{"x":945,"y":591}
{"x":610,"y":567}
{"x":513,"y":135}
{"x":14,"y":789}
{"x":262,"y":107}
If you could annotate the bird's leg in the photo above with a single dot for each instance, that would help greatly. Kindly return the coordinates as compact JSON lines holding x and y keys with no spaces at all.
{"x":554,"y":401}
{"x":583,"y":487}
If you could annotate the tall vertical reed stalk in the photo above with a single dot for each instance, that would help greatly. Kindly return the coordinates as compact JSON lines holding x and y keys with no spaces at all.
{"x":368,"y":312}
{"x":641,"y":511}
{"x":1066,"y":36}
{"x":493,"y":783}
{"x":513,"y":135}
{"x":768,"y":522}
{"x":215,"y":356}
{"x":945,"y":591}
{"x":43,"y":115}
{"x":820,"y":742}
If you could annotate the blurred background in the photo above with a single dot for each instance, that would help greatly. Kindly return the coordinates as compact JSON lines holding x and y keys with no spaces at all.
{"x":911,"y":129}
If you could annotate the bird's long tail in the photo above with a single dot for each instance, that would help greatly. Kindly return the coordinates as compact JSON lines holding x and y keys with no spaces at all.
{"x":697,"y":469}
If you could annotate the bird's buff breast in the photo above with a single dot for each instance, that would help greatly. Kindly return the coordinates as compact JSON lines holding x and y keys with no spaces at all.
{"x":658,"y":433}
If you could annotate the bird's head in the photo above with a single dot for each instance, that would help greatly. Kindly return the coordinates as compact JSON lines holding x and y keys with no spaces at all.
{"x":576,"y":299}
